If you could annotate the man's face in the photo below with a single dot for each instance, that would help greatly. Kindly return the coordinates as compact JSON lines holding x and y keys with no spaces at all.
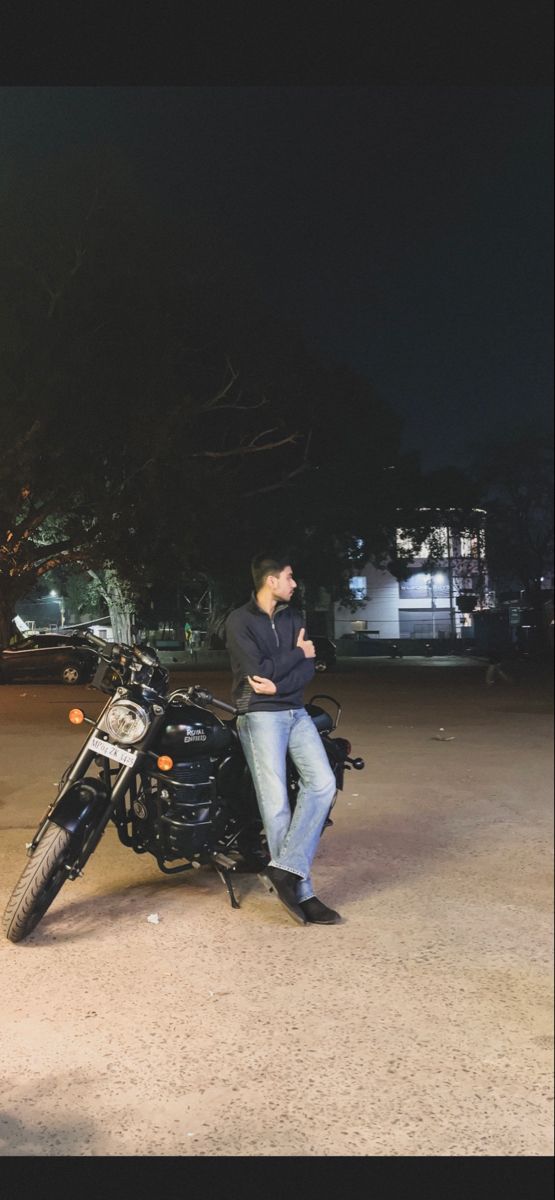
{"x":282,"y":585}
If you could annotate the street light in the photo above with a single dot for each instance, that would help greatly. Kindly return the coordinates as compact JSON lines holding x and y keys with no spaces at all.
{"x":430,"y":583}
{"x":53,"y":593}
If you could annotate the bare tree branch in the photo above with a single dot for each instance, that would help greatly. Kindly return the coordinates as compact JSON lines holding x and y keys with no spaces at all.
{"x":54,"y":560}
{"x":251,"y":448}
{"x":213,"y":402}
{"x":33,"y":520}
{"x":147,"y":463}
{"x":22,"y":441}
{"x":280,"y":483}
{"x":51,"y":291}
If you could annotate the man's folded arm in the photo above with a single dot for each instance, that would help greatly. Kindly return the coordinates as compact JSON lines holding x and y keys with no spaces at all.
{"x":243,"y":645}
{"x":298,"y":677}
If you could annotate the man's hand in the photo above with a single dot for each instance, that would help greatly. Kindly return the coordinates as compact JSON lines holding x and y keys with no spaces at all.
{"x":307,"y":647}
{"x":263,"y":687}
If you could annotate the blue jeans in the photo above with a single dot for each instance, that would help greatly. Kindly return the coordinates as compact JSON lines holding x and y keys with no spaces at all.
{"x":266,"y":738}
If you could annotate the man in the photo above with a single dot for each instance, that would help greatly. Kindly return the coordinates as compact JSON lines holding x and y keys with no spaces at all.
{"x":272,"y":661}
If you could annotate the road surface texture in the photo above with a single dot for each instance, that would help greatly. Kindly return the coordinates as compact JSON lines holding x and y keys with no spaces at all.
{"x":420,"y":1026}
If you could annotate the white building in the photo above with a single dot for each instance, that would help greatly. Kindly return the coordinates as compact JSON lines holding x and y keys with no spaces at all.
{"x":425,"y":604}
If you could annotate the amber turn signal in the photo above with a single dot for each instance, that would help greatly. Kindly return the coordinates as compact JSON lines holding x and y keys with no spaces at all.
{"x":164,"y":762}
{"x":76,"y":716}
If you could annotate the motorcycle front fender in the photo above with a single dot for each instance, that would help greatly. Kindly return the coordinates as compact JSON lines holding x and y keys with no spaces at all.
{"x":81,"y":807}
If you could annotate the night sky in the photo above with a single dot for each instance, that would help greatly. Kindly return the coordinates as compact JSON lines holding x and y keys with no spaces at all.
{"x":407,"y":230}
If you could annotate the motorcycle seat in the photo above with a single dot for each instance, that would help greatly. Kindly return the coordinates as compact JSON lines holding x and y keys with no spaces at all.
{"x":321,"y":718}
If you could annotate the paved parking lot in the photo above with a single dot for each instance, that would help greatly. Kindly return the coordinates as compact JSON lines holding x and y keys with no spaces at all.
{"x":422,"y":1026}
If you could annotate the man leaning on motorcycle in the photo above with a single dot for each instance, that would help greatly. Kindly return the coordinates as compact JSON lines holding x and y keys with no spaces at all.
{"x":272,"y":662}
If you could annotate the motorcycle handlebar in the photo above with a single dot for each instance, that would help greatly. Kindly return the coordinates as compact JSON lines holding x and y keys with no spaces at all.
{"x":94,"y":640}
{"x":208,"y":698}
{"x":200,"y":696}
{"x":222,"y":704}
{"x":107,"y":651}
{"x":149,"y":659}
{"x":112,"y":649}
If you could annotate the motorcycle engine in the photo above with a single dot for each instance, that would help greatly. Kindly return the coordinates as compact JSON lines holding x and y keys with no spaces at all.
{"x":191,"y":818}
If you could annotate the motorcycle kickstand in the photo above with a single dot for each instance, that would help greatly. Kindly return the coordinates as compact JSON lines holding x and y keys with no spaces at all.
{"x":224,"y":874}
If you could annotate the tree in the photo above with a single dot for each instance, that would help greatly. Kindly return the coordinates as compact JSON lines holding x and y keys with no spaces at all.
{"x":332,"y":505}
{"x":158,"y":422}
{"x":516,"y":481}
{"x":117,"y":387}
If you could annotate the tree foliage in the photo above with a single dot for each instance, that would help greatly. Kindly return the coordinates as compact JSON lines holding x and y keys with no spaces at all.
{"x":121,"y":410}
{"x":155,"y":418}
{"x":515,"y":478}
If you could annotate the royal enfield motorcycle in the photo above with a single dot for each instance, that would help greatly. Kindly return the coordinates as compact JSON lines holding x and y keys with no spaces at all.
{"x":167,"y":772}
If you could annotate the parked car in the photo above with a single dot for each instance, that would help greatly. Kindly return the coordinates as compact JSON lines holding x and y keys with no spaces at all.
{"x":362,"y":644}
{"x":325,"y":653}
{"x":50,"y":657}
{"x":358,"y":643}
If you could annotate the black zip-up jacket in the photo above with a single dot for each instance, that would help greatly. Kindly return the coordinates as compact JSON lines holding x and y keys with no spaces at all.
{"x":262,"y":645}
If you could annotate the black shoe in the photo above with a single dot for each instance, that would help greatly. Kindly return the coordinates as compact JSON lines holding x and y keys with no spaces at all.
{"x":284,"y":885}
{"x":318,"y":913}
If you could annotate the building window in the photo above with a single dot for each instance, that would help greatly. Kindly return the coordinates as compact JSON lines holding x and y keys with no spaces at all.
{"x":357,"y":585}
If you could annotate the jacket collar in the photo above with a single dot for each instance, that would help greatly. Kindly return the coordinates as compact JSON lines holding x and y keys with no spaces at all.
{"x":254,"y":606}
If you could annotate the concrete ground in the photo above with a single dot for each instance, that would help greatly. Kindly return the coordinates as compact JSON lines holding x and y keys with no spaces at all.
{"x":421,"y":1026}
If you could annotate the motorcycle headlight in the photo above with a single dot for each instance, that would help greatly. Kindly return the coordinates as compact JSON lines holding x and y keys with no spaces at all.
{"x":126,"y":721}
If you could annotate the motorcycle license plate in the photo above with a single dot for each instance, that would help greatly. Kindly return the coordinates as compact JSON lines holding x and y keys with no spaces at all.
{"x":127,"y":757}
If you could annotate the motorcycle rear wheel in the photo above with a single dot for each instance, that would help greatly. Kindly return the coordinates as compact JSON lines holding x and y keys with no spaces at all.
{"x":38,"y":885}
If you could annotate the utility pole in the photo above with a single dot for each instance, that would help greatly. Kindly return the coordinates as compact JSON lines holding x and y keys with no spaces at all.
{"x":432,"y":603}
{"x":450,"y":578}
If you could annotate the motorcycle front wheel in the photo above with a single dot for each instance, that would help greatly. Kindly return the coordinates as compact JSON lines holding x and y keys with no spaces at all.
{"x":38,"y":884}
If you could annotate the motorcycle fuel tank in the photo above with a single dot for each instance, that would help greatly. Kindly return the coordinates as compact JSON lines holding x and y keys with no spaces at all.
{"x":191,"y":732}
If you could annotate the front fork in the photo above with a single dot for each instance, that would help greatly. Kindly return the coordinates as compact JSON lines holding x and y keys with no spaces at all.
{"x":77,"y":770}
{"x":113,"y":793}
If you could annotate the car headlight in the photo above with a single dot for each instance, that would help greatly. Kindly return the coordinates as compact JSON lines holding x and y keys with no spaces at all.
{"x":126,"y":721}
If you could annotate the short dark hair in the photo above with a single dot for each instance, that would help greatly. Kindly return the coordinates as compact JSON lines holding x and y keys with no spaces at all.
{"x":263,"y":565}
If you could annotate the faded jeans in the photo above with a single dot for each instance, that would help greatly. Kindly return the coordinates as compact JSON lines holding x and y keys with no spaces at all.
{"x":266,"y":738}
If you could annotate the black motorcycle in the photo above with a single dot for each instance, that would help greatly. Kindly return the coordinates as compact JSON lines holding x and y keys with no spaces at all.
{"x":169,"y":774}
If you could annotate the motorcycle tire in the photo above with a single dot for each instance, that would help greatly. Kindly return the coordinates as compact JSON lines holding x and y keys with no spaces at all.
{"x":38,"y":884}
